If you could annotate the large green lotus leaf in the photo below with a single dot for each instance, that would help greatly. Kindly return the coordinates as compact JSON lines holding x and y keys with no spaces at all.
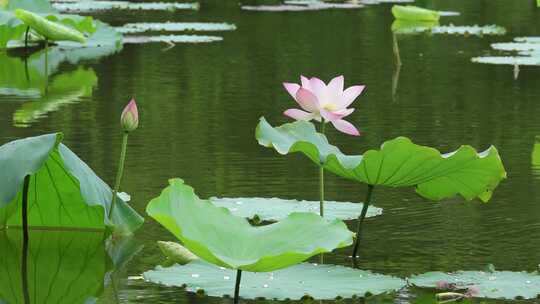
{"x":63,"y":267}
{"x":38,"y":6}
{"x":66,"y":88}
{"x":276,"y":209}
{"x":217,"y":236}
{"x":495,"y":285}
{"x":295,"y":282}
{"x":398,"y":163}
{"x":64,"y":193}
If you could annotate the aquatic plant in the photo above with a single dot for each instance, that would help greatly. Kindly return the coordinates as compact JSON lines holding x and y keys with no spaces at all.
{"x":51,"y":31}
{"x":485,"y":284}
{"x":45,"y":185}
{"x":303,"y":281}
{"x":324,"y":103}
{"x":129,"y":121}
{"x":399,"y":163}
{"x":218,"y":237}
{"x":275,"y":209}
{"x":414,"y":13}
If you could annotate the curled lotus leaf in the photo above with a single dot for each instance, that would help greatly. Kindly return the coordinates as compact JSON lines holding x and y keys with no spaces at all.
{"x":176,"y":253}
{"x":398,"y":163}
{"x":489,"y":284}
{"x":63,"y":192}
{"x":410,"y":12}
{"x":49,"y":29}
{"x":218,"y":237}
{"x":296,"y":282}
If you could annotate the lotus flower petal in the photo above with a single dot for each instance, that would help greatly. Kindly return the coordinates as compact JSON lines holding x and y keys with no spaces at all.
{"x":330,"y":116}
{"x":336,"y":84}
{"x":292,"y":88}
{"x":299,"y":114}
{"x":345,"y":127}
{"x":318,"y":87}
{"x":305,"y":82}
{"x":307,"y":100}
{"x":350,"y":94}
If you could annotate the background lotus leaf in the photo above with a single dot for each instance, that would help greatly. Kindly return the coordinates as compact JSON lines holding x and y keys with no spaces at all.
{"x":398,"y":163}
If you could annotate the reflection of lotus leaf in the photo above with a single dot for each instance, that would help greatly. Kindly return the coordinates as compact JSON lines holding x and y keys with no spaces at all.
{"x":218,"y":237}
{"x":64,"y":193}
{"x":63,"y":267}
{"x":64,"y":89}
{"x":398,"y":163}
{"x":317,"y":281}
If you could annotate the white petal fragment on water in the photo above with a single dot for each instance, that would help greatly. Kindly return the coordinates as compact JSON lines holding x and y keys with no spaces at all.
{"x":171,"y":39}
{"x":92,"y":6}
{"x":131,"y":28}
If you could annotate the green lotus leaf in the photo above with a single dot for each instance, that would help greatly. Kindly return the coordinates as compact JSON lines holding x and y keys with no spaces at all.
{"x":63,"y":193}
{"x":398,"y":163}
{"x":276,"y":209}
{"x":409,"y":12}
{"x":218,"y":237}
{"x":51,"y":30}
{"x":317,"y":281}
{"x":176,"y":253}
{"x":495,"y":285}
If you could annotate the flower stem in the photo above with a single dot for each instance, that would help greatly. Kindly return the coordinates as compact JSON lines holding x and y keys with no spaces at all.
{"x":46,"y":66}
{"x":24,"y":264}
{"x":321,"y":181}
{"x":119,"y":173}
{"x":237,"y":286}
{"x":360,"y":221}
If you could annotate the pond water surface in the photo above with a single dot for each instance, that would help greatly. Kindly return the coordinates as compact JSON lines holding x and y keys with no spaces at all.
{"x":200,"y":103}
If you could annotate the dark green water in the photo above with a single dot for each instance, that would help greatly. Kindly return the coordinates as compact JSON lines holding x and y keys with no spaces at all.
{"x":199,"y":105}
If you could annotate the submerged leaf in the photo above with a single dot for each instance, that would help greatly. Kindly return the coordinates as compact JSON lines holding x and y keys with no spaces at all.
{"x":398,"y":163}
{"x":495,"y":285}
{"x":63,"y":191}
{"x":218,"y":237}
{"x":317,"y":281}
{"x":276,"y":209}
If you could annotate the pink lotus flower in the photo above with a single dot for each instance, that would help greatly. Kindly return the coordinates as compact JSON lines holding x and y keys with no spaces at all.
{"x":327,"y":103}
{"x":129,"y":120}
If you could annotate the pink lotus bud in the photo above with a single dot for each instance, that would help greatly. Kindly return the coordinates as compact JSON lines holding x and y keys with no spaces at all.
{"x":130,"y":117}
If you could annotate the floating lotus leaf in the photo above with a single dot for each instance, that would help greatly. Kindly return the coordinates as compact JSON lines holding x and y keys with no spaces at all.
{"x":409,"y":12}
{"x":408,"y":27}
{"x":398,"y":163}
{"x":171,"y":39}
{"x":176,"y":253}
{"x":276,"y":209}
{"x":217,"y":236}
{"x":93,"y":6}
{"x":507,"y":60}
{"x":50,"y":30}
{"x":516,"y":46}
{"x":142,"y":27}
{"x":64,"y":89}
{"x":307,"y":6}
{"x":318,"y":281}
{"x":64,"y":193}
{"x":495,"y":285}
